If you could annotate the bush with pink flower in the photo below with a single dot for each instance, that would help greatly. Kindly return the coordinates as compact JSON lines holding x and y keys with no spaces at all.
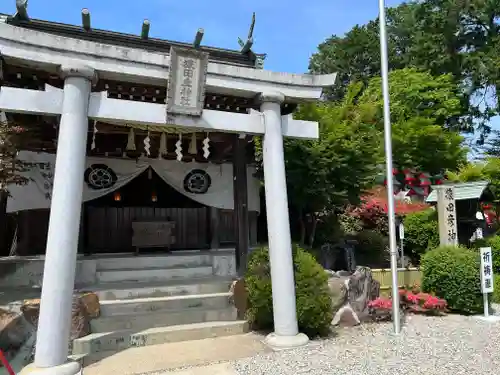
{"x":380,"y":309}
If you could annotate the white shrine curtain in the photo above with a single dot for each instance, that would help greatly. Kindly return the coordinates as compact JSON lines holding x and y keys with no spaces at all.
{"x":208,"y":184}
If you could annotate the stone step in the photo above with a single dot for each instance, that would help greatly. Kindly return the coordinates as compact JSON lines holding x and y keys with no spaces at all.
{"x":153,"y":274}
{"x":139,"y":322}
{"x":156,"y":304}
{"x":173,"y":260}
{"x":124,"y":290}
{"x":119,"y":340}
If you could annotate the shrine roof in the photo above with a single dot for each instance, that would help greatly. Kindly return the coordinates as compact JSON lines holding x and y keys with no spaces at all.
{"x":227,"y":56}
{"x":463,"y":191}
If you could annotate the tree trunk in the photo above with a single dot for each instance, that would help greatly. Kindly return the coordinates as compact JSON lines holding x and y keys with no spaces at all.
{"x":302,"y":229}
{"x":312,"y":234}
{"x":4,"y":247}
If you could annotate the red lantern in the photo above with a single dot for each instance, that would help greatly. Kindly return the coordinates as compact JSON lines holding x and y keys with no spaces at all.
{"x":425,"y":179}
{"x":411,"y":193}
{"x":409,"y":177}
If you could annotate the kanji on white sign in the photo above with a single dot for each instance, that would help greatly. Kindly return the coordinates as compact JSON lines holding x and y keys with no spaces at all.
{"x":486,"y":270}
{"x":186,"y":82}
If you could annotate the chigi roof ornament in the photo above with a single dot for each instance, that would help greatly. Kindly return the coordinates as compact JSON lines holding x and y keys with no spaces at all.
{"x":246,"y":47}
{"x":22,"y":10}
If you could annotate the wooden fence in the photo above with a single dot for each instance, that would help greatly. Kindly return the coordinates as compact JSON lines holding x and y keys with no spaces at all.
{"x":406,"y":278}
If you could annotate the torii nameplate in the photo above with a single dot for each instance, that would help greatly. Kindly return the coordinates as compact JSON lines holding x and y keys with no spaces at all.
{"x":186,"y":82}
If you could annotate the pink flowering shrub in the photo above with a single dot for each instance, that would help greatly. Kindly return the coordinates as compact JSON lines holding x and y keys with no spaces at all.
{"x":381,"y":303}
{"x":425,"y":303}
{"x":380,"y":309}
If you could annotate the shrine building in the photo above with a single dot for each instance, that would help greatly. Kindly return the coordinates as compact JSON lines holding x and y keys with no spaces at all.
{"x":142,"y":175}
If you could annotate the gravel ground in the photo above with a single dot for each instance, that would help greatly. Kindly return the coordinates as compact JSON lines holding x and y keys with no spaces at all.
{"x":427,"y":345}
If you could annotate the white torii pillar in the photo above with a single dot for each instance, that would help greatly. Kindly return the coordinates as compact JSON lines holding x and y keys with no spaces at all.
{"x":286,"y":333}
{"x":51,"y":356}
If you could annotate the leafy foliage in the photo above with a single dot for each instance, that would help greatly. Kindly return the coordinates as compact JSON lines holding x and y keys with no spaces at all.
{"x":421,"y":233}
{"x":326,"y":174}
{"x":454,"y":37}
{"x":494,"y":243}
{"x":368,"y":215}
{"x":367,"y":224}
{"x":11,"y":168}
{"x":486,"y":170}
{"x":416,"y":94}
{"x":452,"y":273}
{"x":496,"y":289}
{"x":314,"y":305}
{"x":372,"y":248}
{"x":420,"y":106}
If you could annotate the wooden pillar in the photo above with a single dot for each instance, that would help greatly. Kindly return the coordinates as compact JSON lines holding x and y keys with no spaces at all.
{"x":83,"y":243}
{"x":214,"y":228}
{"x":4,"y":245}
{"x":240,"y":188}
{"x":253,"y":217}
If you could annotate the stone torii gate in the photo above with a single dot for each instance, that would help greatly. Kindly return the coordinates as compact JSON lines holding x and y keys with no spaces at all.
{"x":81,"y":63}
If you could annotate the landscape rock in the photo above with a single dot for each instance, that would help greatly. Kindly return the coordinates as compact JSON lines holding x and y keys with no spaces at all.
{"x":18,"y":329}
{"x":80,"y":319}
{"x":362,"y":289}
{"x":14,"y":331}
{"x":375,"y":290}
{"x":338,"y":292}
{"x":351,"y":294}
{"x":346,"y":317}
{"x":239,"y":297}
{"x":343,"y":273}
{"x":30,"y":310}
{"x":91,"y":304}
{"x":331,"y":273}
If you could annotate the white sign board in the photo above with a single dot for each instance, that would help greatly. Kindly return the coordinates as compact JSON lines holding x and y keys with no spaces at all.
{"x":186,"y":82}
{"x":447,"y":215}
{"x":479,"y":233}
{"x":486,"y":270}
{"x":401,"y":231}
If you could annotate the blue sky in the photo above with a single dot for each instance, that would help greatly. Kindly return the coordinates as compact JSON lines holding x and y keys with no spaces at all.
{"x":288,"y":31}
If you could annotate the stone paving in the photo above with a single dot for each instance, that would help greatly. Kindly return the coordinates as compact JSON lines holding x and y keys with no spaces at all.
{"x":450,"y":345}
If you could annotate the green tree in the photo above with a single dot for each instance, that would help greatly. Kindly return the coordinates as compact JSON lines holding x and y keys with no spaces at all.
{"x":356,"y":55}
{"x":485,"y":170}
{"x":325,"y":175}
{"x":12,"y":139}
{"x":420,"y":105}
{"x":328,"y":173}
{"x":456,"y":37}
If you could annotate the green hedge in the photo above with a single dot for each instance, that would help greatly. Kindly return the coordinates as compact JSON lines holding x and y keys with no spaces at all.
{"x":421,"y":233}
{"x":496,"y":290}
{"x":452,"y":273}
{"x":314,"y":304}
{"x":494,"y":243}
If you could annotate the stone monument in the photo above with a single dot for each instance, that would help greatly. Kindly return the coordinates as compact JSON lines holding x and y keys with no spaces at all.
{"x":447,"y":215}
